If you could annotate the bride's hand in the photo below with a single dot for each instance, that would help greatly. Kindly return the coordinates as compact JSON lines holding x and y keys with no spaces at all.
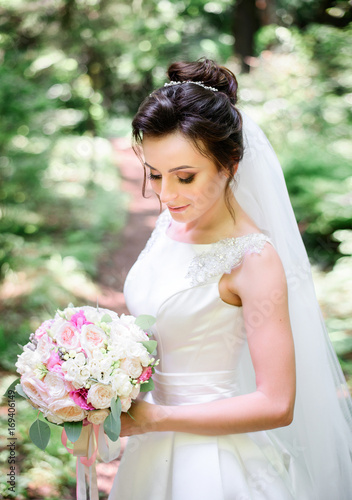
{"x":143,"y":417}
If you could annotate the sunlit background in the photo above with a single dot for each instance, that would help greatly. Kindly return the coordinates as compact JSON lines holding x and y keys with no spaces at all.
{"x":72,"y":74}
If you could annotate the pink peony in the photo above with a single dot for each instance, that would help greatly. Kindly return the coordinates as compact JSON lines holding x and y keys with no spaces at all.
{"x":146,"y":374}
{"x":79,"y":319}
{"x":79,"y":396}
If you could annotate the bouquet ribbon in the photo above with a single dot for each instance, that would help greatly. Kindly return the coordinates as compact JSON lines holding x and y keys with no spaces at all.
{"x":91,"y":441}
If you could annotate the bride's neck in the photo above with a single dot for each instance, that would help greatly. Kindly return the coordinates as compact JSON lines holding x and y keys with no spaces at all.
{"x":217,"y":223}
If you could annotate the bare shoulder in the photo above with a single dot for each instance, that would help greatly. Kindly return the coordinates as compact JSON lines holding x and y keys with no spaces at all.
{"x":261,"y":274}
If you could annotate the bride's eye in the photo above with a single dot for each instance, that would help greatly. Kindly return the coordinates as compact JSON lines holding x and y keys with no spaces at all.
{"x":153,"y":177}
{"x":187,"y":180}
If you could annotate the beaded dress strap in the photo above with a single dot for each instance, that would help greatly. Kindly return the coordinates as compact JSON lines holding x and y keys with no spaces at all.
{"x":223,"y":256}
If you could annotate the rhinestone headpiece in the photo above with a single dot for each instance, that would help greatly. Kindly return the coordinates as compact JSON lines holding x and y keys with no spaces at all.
{"x":201,"y":84}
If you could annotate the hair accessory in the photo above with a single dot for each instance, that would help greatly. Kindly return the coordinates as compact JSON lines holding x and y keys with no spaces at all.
{"x":200,"y":84}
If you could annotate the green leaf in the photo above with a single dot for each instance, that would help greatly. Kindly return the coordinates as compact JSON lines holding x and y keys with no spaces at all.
{"x":12,"y":387}
{"x":39,"y":433}
{"x":145,"y":321}
{"x":21,"y":392}
{"x":116,"y":408}
{"x":112,"y":427}
{"x":150,"y":345}
{"x":73,"y":430}
{"x":148,"y":386}
{"x":106,"y":318}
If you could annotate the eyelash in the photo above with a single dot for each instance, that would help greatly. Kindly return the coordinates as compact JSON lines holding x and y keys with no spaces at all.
{"x":188,"y":180}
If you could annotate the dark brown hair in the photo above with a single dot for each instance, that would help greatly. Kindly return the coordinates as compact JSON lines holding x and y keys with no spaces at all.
{"x":207,"y":118}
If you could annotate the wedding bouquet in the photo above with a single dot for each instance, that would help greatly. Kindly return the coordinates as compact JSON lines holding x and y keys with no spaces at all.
{"x":85,"y":366}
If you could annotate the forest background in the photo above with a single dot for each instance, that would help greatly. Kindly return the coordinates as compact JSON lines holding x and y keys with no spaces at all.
{"x":72,"y":74}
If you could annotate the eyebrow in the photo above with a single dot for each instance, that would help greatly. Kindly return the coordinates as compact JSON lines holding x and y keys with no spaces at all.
{"x":181,"y":167}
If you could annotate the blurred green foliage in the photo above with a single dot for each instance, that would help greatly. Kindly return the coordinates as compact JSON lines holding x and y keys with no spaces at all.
{"x":73,"y":72}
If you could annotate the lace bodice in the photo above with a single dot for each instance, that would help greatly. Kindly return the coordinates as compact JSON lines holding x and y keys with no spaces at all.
{"x":219,"y":258}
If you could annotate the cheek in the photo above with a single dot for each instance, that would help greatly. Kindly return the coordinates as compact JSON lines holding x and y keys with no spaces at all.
{"x":211,"y":189}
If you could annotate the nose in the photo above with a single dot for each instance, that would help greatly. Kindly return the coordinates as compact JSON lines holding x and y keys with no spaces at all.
{"x":167,"y":191}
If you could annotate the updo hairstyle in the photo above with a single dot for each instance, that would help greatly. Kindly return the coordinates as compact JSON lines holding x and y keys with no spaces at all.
{"x":207,"y":118}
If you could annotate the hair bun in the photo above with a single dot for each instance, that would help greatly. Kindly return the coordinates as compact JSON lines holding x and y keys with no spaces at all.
{"x":208,"y":72}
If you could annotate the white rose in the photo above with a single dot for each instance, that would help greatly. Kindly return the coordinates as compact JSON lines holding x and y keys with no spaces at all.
{"x":55,"y":384}
{"x":80,"y":359}
{"x":84,"y":372}
{"x":121,"y":383}
{"x":138,"y":334}
{"x":135,"y":391}
{"x":145,"y":358}
{"x":127,"y":319}
{"x":132,"y":367}
{"x":125,"y":404}
{"x":81,"y":378}
{"x":94,"y":368}
{"x":100,"y":395}
{"x":119,"y":348}
{"x":27,"y":361}
{"x":104,"y":378}
{"x":105,"y":364}
{"x":67,"y":410}
{"x":136,"y":349}
{"x":71,"y":369}
{"x":97,"y":354}
{"x":97,"y":417}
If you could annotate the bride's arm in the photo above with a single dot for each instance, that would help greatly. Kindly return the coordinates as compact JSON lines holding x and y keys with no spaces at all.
{"x":260,"y":283}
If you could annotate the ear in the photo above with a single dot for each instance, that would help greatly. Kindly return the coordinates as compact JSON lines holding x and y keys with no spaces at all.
{"x":228,"y":174}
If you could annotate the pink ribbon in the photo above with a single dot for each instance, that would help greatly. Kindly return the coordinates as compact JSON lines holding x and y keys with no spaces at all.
{"x":85,"y":466}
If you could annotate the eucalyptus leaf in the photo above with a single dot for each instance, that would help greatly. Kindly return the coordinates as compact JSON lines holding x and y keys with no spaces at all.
{"x":112,"y":427}
{"x":73,"y":430}
{"x":150,"y":345}
{"x":12,"y":387}
{"x":148,"y":386}
{"x":145,"y":321}
{"x":106,"y":318}
{"x":39,"y":433}
{"x":20,"y":391}
{"x":116,"y":408}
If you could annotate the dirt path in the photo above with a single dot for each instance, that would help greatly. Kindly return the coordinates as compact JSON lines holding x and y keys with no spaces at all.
{"x":141,"y":219}
{"x":142,"y":215}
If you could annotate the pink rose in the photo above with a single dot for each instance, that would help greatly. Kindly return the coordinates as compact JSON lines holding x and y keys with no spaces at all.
{"x":44,"y":348}
{"x":43,"y":328}
{"x":35,"y":389}
{"x":68,"y":337}
{"x":78,"y":320}
{"x":92,"y":337}
{"x":146,"y":374}
{"x":79,"y":396}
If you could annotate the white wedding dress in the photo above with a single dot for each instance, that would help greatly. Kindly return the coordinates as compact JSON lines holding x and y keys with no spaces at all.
{"x":201,"y":344}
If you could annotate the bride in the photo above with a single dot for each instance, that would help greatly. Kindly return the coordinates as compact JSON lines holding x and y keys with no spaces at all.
{"x":249,"y":399}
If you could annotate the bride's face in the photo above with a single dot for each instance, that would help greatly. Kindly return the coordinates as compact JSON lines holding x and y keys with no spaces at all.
{"x":185,"y":180}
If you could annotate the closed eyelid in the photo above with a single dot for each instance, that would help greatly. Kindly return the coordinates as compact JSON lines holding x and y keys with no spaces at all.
{"x":175,"y":169}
